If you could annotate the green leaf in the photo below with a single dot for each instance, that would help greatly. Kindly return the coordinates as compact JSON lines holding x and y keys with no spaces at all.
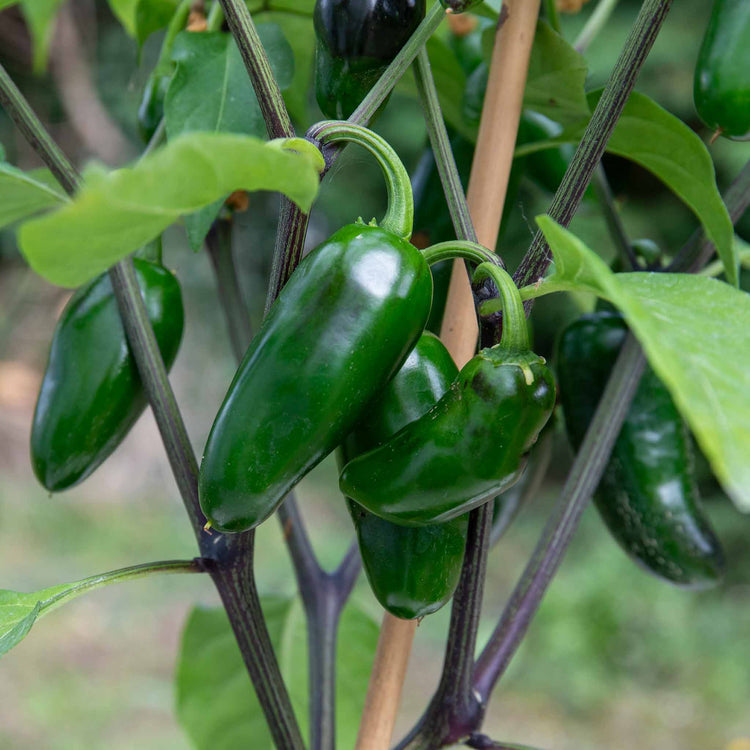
{"x":7,"y":3}
{"x":124,"y":10}
{"x":657,"y":140}
{"x":211,"y":673}
{"x":115,"y":213}
{"x":694,"y":331}
{"x":211,"y":92}
{"x":152,"y":15}
{"x":23,"y":194}
{"x":556,"y":78}
{"x":18,"y":611}
{"x":40,"y":16}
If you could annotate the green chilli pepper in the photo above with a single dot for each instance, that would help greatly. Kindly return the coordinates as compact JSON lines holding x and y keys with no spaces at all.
{"x":473,"y":443}
{"x":412,"y":571}
{"x":722,"y":75}
{"x":340,"y":329}
{"x":91,"y":393}
{"x":647,"y":495}
{"x":356,"y":41}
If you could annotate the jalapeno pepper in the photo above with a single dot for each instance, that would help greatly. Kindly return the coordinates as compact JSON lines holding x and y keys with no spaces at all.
{"x":412,"y":571}
{"x":722,"y":75}
{"x":91,"y":393}
{"x":647,"y":495}
{"x":473,"y":443}
{"x":340,"y":329}
{"x":356,"y":41}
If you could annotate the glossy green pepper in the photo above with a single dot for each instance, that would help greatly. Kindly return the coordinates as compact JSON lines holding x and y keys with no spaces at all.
{"x":356,"y":41}
{"x":91,"y":393}
{"x":647,"y":495}
{"x":339,"y":330}
{"x":412,"y":571}
{"x":472,"y":444}
{"x":721,"y":88}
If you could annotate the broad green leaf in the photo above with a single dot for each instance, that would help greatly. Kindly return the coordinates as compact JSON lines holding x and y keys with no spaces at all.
{"x":7,"y":3}
{"x":124,"y":10}
{"x":216,"y":703}
{"x":152,"y":15}
{"x":40,"y":16}
{"x":657,"y":140}
{"x":117,"y":212}
{"x":556,"y":78}
{"x":23,"y":194}
{"x":19,"y":612}
{"x":211,"y":92}
{"x":695,"y":332}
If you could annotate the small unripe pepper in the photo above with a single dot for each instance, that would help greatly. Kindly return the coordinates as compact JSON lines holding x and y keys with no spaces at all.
{"x":722,"y":74}
{"x":412,"y":571}
{"x":91,"y":393}
{"x":473,"y":443}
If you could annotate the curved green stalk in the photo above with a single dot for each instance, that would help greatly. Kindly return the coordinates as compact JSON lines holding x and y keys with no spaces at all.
{"x":515,"y":336}
{"x":176,"y":25}
{"x":399,"y":217}
{"x":471,"y":251}
{"x":116,"y":576}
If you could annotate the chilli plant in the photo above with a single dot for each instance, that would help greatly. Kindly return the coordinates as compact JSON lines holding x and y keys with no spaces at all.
{"x":439,"y":439}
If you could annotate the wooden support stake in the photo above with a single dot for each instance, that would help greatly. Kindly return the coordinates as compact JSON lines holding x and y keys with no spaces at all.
{"x":486,"y":195}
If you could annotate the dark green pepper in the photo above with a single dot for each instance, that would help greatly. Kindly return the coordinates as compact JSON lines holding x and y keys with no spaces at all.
{"x":647,"y":495}
{"x":412,"y":571}
{"x":472,"y":444}
{"x":722,"y":75}
{"x":356,"y":41}
{"x":340,"y":329}
{"x":151,"y":110}
{"x":91,"y":393}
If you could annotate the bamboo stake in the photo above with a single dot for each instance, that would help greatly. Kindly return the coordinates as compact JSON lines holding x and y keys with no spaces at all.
{"x":493,"y":158}
{"x":486,"y":195}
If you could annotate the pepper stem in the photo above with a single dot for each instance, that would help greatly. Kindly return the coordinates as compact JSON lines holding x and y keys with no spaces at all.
{"x":399,"y":217}
{"x":515,"y":333}
{"x":471,"y":251}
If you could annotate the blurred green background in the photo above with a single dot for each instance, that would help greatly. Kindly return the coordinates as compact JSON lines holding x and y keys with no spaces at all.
{"x":615,"y":659}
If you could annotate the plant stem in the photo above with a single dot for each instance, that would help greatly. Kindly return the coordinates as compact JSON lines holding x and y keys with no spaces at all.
{"x":117,"y":576}
{"x":399,"y":215}
{"x":612,"y":218}
{"x":176,"y":25}
{"x":696,"y":252}
{"x":592,"y":145}
{"x":454,"y":710}
{"x":597,"y":21}
{"x":234,"y":581}
{"x":551,"y":14}
{"x":441,"y":148}
{"x":17,"y":108}
{"x":254,"y":56}
{"x":562,"y":524}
